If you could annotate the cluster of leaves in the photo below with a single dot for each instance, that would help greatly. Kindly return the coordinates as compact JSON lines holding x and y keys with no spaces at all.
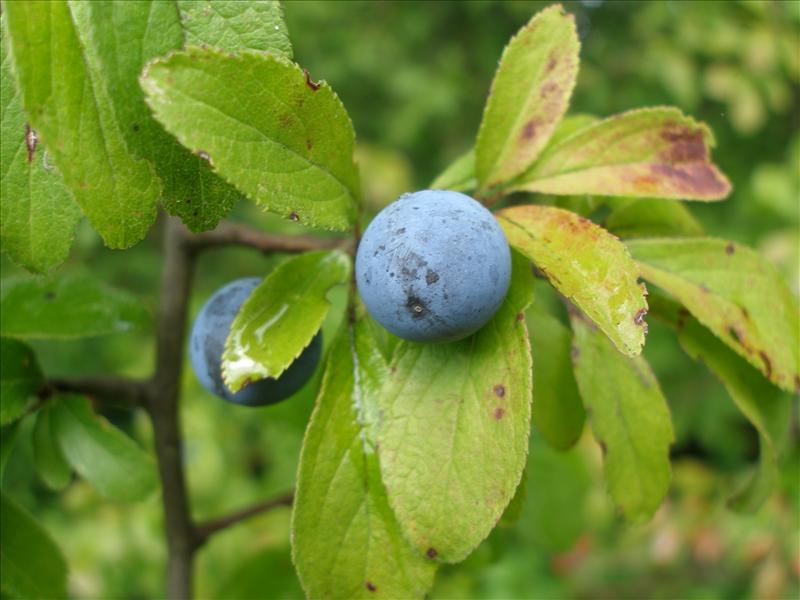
{"x":413,"y":452}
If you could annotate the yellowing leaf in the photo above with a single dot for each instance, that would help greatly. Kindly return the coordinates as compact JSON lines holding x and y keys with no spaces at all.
{"x":766,"y":407}
{"x":734,"y":292}
{"x":585,"y":263}
{"x":282,"y":139}
{"x":345,"y":539}
{"x":529,"y":95}
{"x":629,"y":418}
{"x":453,"y":429}
{"x":281,"y":316}
{"x":655,"y":152}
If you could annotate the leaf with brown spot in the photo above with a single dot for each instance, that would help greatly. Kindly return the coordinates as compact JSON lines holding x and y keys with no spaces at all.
{"x":738,"y":295}
{"x":629,"y":417}
{"x":653,"y":152}
{"x":452,"y":449}
{"x":529,"y":95}
{"x":585,"y":263}
{"x":767,"y":408}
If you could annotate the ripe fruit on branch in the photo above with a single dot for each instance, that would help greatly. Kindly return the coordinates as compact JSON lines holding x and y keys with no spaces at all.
{"x":433,"y":266}
{"x":207,"y":344}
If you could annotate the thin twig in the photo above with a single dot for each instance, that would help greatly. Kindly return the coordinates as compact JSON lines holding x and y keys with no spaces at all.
{"x":234,"y":234}
{"x":113,"y":390}
{"x":205,"y":530}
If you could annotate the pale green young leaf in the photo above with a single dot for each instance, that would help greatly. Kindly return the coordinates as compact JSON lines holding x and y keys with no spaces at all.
{"x":125,"y":36}
{"x":586,"y":264}
{"x":20,"y":378}
{"x":656,"y":152}
{"x":557,"y":408}
{"x":530,"y":93}
{"x":734,"y":292}
{"x":459,"y":176}
{"x":236,"y":25}
{"x":265,"y":126}
{"x":633,"y":218}
{"x":71,"y":111}
{"x":281,"y":316}
{"x":569,"y":125}
{"x":100,"y":453}
{"x":70,"y":306}
{"x":38,"y":215}
{"x":453,"y":429}
{"x":48,"y":458}
{"x":629,"y":417}
{"x":766,"y":407}
{"x":346,"y":540}
{"x":31,"y":565}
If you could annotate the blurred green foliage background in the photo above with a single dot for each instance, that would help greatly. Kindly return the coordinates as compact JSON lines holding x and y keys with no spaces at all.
{"x":414,"y":77}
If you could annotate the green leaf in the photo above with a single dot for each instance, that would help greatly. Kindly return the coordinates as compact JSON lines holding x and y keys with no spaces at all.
{"x":108,"y":459}
{"x":31,"y":565}
{"x":734,"y":292}
{"x":50,"y":463}
{"x":586,"y":264}
{"x":529,"y":95}
{"x":656,"y":152}
{"x":346,"y":540}
{"x":459,"y":176}
{"x":270,"y":566}
{"x":67,"y":104}
{"x":126,"y":35}
{"x":554,"y":513}
{"x":281,"y":316}
{"x":38,"y":218}
{"x":629,"y":418}
{"x":8,"y":437}
{"x":20,"y":378}
{"x":648,"y":218}
{"x":453,"y":429}
{"x":557,"y":408}
{"x":766,"y":407}
{"x":236,"y":25}
{"x":265,"y":126}
{"x":71,"y":306}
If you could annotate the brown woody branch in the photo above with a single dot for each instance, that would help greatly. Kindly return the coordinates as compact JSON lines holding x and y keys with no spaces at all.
{"x":113,"y":390}
{"x":232,"y":234}
{"x":205,"y":530}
